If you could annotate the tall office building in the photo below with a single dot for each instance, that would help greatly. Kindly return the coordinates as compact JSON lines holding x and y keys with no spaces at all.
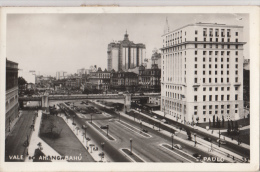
{"x":11,"y":93}
{"x":202,"y":72}
{"x":123,"y":55}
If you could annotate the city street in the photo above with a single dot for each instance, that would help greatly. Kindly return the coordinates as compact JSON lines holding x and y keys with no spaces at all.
{"x":15,"y":145}
{"x":148,"y":148}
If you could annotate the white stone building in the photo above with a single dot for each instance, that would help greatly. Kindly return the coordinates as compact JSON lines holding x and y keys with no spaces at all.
{"x":202,"y":72}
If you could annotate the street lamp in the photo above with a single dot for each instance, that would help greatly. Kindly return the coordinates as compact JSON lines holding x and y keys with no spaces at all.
{"x":119,"y":115}
{"x":131,"y":145}
{"x":238,"y":138}
{"x":164,"y":110}
{"x":172,"y":141}
{"x":102,"y":145}
{"x":91,"y":118}
{"x":219,"y":138}
{"x":195,"y":142}
{"x":107,"y":129}
{"x":140,"y":126}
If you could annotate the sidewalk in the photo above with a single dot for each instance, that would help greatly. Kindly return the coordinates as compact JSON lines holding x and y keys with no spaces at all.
{"x":79,"y":135}
{"x":215,"y":133}
{"x":35,"y":139}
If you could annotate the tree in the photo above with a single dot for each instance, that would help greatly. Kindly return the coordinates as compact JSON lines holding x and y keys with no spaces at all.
{"x":21,"y":82}
{"x":236,"y":126}
{"x":188,"y":134}
{"x":51,"y":126}
{"x":197,"y":119}
{"x":213,"y":120}
{"x":229,"y":128}
{"x":223,"y":121}
{"x":232,"y":128}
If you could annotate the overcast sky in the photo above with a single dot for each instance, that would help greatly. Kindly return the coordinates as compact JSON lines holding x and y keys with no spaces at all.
{"x":48,"y":43}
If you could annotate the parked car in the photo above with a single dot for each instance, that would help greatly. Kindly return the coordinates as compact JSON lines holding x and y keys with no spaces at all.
{"x":155,"y":116}
{"x":223,"y":142}
{"x":178,"y":146}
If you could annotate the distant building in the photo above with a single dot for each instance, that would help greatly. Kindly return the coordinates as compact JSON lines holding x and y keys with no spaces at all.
{"x":99,"y":80}
{"x":11,"y":93}
{"x":124,"y":55}
{"x":150,"y":79}
{"x":202,"y":72}
{"x":81,"y":72}
{"x":61,"y":75}
{"x":124,"y":81}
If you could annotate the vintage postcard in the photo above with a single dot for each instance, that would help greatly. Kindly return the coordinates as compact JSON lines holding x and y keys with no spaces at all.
{"x":130,"y":89}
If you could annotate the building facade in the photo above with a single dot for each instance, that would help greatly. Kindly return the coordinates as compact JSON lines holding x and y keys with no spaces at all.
{"x":61,"y":75}
{"x":11,"y":93}
{"x":124,"y":81}
{"x":202,"y":72}
{"x":150,"y":79}
{"x":124,"y":55}
{"x":99,"y":80}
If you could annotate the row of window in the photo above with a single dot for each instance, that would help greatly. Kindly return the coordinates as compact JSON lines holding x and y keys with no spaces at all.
{"x":216,"y":80}
{"x":216,"y":40}
{"x":210,"y":65}
{"x":216,"y":88}
{"x":216,"y":53}
{"x":216,"y":98}
{"x":215,"y":112}
{"x":216,"y":72}
{"x":210,"y":59}
{"x":216,"y":106}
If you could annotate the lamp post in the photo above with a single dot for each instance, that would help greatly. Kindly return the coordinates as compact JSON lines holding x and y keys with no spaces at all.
{"x":238,"y":138}
{"x":91,"y":118}
{"x":107,"y":129}
{"x":172,"y":141}
{"x":195,"y":142}
{"x":131,"y":145}
{"x":140,"y":126}
{"x":219,"y":138}
{"x":164,"y":110}
{"x":9,"y":124}
{"x":119,"y":115}
{"x":102,"y":146}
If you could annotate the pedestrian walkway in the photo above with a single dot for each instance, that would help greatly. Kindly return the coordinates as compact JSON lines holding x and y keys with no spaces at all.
{"x":35,"y":139}
{"x":95,"y":153}
{"x":214,"y":133}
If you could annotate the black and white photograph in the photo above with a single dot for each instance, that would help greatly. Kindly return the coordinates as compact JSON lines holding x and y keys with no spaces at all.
{"x":103,"y":87}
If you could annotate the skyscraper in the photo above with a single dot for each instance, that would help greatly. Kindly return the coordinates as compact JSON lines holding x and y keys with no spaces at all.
{"x":123,"y":55}
{"x":202,"y":72}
